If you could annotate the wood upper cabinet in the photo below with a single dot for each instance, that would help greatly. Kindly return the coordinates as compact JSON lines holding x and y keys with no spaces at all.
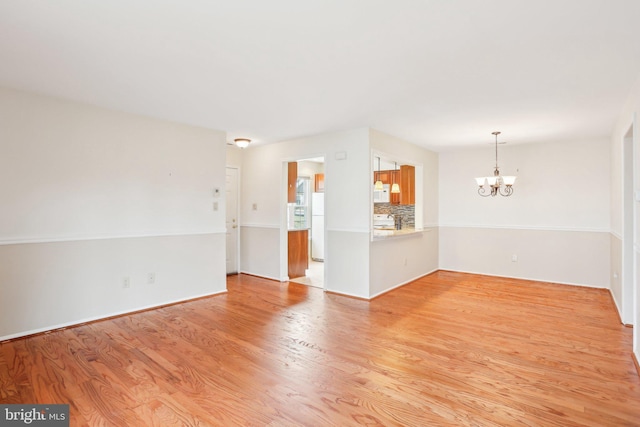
{"x":385,"y":176}
{"x":407,"y":185}
{"x":292,"y":179}
{"x":318,"y":183}
{"x":405,"y":178}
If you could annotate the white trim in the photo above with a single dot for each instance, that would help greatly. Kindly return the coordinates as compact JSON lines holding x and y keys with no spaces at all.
{"x":616,"y":304}
{"x":616,"y":235}
{"x":403,"y":284}
{"x":527,"y":227}
{"x":345,"y":294}
{"x":254,"y":225}
{"x":382,"y":237}
{"x":526,"y":278}
{"x":238,"y":213}
{"x":286,"y":278}
{"x":350,"y":230}
{"x":54,"y":239}
{"x":106,"y":316}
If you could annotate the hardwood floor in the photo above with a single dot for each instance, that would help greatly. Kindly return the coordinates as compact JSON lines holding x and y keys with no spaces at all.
{"x":449,"y":349}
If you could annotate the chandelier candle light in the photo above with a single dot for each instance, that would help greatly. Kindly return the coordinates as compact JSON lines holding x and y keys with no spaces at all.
{"x":496,"y":182}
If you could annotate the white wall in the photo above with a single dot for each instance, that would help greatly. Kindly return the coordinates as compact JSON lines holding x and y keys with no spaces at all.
{"x":556,"y":222}
{"x":353,"y":264}
{"x":563,"y":185}
{"x":347,"y":196}
{"x":628,"y":119}
{"x":234,"y":156}
{"x":397,"y":261}
{"x":50,"y":285}
{"x":569,"y":257}
{"x":82,"y":172}
{"x":119,"y":195}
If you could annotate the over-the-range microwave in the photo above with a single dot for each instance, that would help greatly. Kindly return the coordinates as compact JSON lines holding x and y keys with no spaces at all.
{"x":382,"y":196}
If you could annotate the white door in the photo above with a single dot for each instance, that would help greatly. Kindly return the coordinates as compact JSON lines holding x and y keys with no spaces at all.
{"x":232,"y":220}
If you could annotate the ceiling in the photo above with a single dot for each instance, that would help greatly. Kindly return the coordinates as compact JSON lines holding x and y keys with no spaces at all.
{"x":436,"y":73}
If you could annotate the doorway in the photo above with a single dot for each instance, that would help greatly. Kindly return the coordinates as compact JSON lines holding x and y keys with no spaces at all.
{"x":232,"y":237}
{"x":629,"y":231}
{"x":306,"y":211}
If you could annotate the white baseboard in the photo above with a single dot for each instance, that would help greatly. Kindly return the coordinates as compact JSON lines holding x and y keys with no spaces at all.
{"x":402,"y":284}
{"x":277,"y":279}
{"x":525,"y":278}
{"x":102,"y":317}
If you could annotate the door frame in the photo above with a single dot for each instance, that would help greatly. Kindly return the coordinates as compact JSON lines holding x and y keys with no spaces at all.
{"x":284,"y":226}
{"x":238,"y":176}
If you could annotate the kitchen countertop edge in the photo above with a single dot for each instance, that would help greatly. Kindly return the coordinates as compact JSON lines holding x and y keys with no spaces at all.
{"x":400,"y":233}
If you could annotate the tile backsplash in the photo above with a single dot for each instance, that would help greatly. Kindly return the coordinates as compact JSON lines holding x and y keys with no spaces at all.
{"x":406,"y":212}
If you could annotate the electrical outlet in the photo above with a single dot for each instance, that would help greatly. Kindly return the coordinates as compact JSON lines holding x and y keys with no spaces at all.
{"x":254,"y":207}
{"x":151,"y":278}
{"x":514,"y":258}
{"x":126,"y":282}
{"x":215,"y":206}
{"x":405,"y":261}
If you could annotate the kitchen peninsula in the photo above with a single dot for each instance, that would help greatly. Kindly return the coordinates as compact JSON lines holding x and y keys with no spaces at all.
{"x":394,"y":202}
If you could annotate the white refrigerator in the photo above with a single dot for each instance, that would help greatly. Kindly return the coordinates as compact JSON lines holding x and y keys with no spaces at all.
{"x":317,"y":226}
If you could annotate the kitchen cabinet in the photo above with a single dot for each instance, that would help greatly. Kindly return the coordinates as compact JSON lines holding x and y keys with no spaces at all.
{"x":407,"y":185}
{"x":318,"y":183}
{"x":298,"y":248}
{"x":292,"y":179}
{"x":384,"y":176}
{"x":389,"y":177}
{"x":405,"y":178}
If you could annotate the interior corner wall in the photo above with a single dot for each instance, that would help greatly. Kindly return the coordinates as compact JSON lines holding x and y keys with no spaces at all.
{"x":234,"y":156}
{"x":347,"y":198}
{"x":92,"y":196}
{"x":555,"y":227}
{"x":397,"y":261}
{"x":628,"y":118}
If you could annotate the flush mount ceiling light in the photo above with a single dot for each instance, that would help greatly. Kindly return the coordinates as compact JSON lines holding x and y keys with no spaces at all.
{"x":497,"y":184}
{"x":242,"y":142}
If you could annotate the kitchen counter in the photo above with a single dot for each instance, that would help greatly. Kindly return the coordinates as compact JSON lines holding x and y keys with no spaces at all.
{"x":384,"y":234}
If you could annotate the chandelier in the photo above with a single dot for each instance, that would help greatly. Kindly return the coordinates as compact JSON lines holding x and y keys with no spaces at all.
{"x":497,"y":184}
